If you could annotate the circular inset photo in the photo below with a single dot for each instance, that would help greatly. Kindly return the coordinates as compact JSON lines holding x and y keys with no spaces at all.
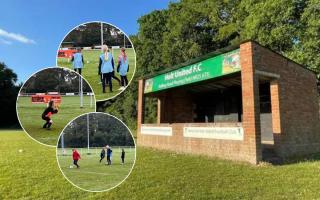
{"x":101,"y":53}
{"x":49,"y":100}
{"x":96,"y":152}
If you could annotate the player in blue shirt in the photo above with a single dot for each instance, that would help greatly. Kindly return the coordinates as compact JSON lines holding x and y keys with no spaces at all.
{"x":123,"y":68}
{"x":77,"y":61}
{"x":106,"y":68}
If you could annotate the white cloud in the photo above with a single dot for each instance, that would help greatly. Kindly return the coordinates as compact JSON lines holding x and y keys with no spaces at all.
{"x":16,"y":37}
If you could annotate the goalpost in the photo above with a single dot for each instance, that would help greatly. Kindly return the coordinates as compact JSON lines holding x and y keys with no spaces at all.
{"x":91,"y":99}
{"x":91,"y":94}
{"x":87,"y":93}
{"x":113,"y":48}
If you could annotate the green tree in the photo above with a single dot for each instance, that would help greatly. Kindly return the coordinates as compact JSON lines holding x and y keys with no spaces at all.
{"x":8,"y":96}
{"x":54,"y":80}
{"x":307,"y":48}
{"x":89,"y":34}
{"x":191,"y":28}
{"x":103,"y":130}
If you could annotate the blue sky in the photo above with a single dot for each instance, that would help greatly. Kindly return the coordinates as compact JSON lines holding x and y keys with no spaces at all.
{"x":31,"y":31}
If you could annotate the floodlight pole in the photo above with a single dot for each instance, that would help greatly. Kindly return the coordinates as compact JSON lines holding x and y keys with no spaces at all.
{"x":62,"y":143}
{"x":101,"y":35}
{"x":101,"y":32}
{"x":88,"y":132}
{"x":124,"y":40}
{"x":81,"y":92}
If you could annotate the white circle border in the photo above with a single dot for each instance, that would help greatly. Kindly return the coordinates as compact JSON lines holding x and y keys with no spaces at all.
{"x":45,"y":68}
{"x":134,"y":162}
{"x":135,"y":55}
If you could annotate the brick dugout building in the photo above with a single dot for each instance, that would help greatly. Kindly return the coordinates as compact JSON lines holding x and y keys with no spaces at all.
{"x":234,"y":105}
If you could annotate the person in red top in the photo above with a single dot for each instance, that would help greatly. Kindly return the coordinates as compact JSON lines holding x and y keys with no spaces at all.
{"x":76,"y":157}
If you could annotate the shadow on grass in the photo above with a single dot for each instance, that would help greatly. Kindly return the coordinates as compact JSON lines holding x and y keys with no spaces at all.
{"x":273,"y":159}
{"x":300,"y":159}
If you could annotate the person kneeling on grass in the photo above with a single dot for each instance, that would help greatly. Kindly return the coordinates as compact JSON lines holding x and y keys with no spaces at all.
{"x":46,"y":115}
{"x":123,"y":68}
{"x":102,"y":154}
{"x":123,"y":153}
{"x":76,"y":157}
{"x":77,"y":61}
{"x":106,"y":68}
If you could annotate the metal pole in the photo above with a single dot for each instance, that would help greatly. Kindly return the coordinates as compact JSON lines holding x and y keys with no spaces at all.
{"x":62,"y":143}
{"x":81,"y":93}
{"x":101,"y":37}
{"x":124,"y":41}
{"x":88,"y":132}
{"x":101,"y":32}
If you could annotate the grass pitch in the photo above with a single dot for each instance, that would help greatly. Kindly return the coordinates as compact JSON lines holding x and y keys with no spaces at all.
{"x":34,"y":174}
{"x":90,"y":71}
{"x":93,"y":175}
{"x":30,"y":117}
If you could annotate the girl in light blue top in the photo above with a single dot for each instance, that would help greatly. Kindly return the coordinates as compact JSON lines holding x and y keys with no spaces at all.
{"x":77,"y":61}
{"x":123,"y":68}
{"x":106,"y":67}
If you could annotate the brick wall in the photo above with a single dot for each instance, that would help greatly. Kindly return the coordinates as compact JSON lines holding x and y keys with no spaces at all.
{"x":250,"y":104}
{"x":227,"y":149}
{"x":294,"y":103}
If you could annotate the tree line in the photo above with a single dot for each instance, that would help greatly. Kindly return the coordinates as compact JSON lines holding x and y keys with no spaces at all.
{"x":89,"y":35}
{"x":103,"y":130}
{"x":189,"y":29}
{"x":54,"y":80}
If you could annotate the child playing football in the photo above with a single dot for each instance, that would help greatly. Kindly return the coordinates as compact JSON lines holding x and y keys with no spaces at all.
{"x":46,"y":115}
{"x":109,"y":155}
{"x":102,"y":154}
{"x":76,"y":157}
{"x":123,"y":153}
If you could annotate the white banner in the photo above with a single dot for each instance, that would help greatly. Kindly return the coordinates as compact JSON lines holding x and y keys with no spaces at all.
{"x":156,"y":130}
{"x":222,"y":133}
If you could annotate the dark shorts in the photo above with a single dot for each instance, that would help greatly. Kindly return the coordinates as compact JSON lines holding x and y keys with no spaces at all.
{"x":46,"y":118}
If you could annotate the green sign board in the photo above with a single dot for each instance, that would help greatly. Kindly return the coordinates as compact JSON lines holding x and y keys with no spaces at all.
{"x":207,"y":69}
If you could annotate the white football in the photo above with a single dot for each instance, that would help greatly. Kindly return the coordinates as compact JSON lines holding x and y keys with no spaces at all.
{"x":20,"y":150}
{"x":71,"y":166}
